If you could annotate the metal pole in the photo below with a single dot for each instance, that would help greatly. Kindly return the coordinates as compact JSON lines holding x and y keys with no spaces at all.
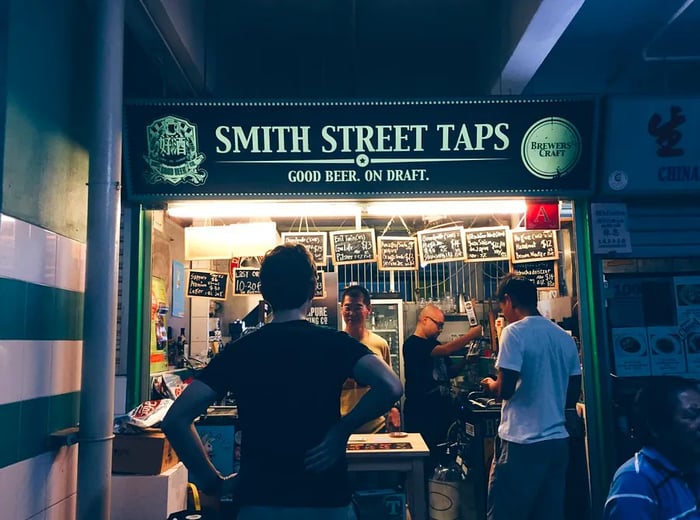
{"x":99,"y":327}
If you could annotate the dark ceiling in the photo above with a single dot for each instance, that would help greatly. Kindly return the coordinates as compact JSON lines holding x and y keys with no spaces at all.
{"x":410,"y":48}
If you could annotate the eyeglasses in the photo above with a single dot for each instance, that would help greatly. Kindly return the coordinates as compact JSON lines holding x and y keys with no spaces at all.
{"x":438,"y":324}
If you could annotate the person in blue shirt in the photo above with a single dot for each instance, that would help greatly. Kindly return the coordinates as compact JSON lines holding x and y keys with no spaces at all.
{"x":662,"y":480}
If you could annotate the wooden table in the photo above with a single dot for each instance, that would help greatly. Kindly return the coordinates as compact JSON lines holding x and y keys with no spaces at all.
{"x":383,"y":458}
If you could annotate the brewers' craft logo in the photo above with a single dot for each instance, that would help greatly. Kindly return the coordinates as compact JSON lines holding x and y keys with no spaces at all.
{"x":173,"y":156}
{"x":551,"y":148}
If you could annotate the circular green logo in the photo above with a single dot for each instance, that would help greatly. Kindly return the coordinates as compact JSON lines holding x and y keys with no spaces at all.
{"x":551,"y":148}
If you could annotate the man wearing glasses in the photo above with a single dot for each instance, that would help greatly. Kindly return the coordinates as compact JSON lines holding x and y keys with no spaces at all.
{"x":427,"y":370}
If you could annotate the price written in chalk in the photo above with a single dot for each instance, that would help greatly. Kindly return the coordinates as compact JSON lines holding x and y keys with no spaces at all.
{"x":353,"y":247}
{"x":487,"y":244}
{"x":442,"y":245}
{"x":534,"y":245}
{"x":542,"y":274}
{"x":207,"y":284}
{"x":246,"y":280}
{"x":397,"y":253}
{"x":314,"y":241}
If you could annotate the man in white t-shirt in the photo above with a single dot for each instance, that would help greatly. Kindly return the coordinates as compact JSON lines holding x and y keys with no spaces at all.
{"x":539,"y":376}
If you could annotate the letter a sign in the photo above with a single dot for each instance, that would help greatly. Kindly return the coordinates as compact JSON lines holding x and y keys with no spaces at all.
{"x":542,"y":214}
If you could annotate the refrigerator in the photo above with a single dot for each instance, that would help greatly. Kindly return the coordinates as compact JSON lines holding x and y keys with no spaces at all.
{"x":387,"y":320}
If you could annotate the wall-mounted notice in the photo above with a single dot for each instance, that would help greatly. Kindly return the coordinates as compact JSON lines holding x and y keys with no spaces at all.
{"x":320,"y":291}
{"x":543,"y":274}
{"x":246,"y":280}
{"x":486,"y":244}
{"x":534,"y":245}
{"x":441,"y":245}
{"x":353,"y":247}
{"x":207,"y":284}
{"x":397,"y":253}
{"x":314,"y":241}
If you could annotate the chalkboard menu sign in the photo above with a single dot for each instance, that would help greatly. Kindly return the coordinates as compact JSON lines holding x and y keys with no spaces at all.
{"x":542,"y":274}
{"x":441,"y":245}
{"x":397,"y":253}
{"x":207,"y":284}
{"x":246,"y":280}
{"x":353,"y":247}
{"x":486,"y":244}
{"x":534,"y":245}
{"x":314,"y":241}
{"x":320,"y":291}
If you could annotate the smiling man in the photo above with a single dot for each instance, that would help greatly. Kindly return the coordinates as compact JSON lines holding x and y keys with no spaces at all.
{"x":355,"y":306}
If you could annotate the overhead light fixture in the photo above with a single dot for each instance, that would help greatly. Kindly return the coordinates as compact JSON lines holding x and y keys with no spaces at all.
{"x":211,"y":242}
{"x":252,"y":209}
{"x":444,"y":207}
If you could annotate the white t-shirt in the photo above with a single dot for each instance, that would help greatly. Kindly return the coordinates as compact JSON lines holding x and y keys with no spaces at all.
{"x":545,"y":356}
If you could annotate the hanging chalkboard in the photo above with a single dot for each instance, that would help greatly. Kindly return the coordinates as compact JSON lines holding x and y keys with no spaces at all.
{"x":441,"y":245}
{"x":320,"y":291}
{"x":207,"y":284}
{"x":314,"y":241}
{"x":486,"y":244}
{"x":353,"y":247}
{"x":397,"y":253}
{"x":246,"y":280}
{"x":543,"y":274}
{"x":534,"y":245}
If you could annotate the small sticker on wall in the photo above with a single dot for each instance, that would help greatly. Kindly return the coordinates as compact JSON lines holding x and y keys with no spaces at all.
{"x":618,"y":180}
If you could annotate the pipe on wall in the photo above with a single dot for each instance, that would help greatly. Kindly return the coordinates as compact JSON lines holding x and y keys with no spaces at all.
{"x":99,"y":325}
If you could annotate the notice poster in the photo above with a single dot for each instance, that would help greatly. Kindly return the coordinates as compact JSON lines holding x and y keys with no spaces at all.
{"x":687,"y":293}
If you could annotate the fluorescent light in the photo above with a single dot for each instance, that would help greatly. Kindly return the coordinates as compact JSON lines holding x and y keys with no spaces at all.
{"x":231,"y":208}
{"x":437,"y":207}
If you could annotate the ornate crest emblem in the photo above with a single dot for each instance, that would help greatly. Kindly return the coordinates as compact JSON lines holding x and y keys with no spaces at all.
{"x":173,"y":156}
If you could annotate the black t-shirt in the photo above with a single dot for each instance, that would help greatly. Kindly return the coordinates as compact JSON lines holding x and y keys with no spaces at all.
{"x":286,"y":378}
{"x":424,"y":373}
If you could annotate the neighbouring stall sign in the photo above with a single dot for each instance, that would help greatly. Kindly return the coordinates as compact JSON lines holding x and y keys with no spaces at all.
{"x":651,"y":146}
{"x":609,"y":228}
{"x":179,"y":150}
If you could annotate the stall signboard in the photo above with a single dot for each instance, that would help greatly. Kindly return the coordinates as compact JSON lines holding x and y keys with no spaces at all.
{"x":397,"y":253}
{"x":487,"y":244}
{"x":356,"y":246}
{"x":441,"y":245}
{"x":543,"y":274}
{"x":207,"y":284}
{"x":314,"y":241}
{"x":651,"y":146}
{"x":534,"y":245}
{"x":335,"y":149}
{"x":246,"y":280}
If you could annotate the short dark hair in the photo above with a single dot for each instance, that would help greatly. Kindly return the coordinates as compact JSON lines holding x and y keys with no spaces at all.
{"x":356,"y":291}
{"x":522,"y":292}
{"x":654,"y":406}
{"x":287,"y":276}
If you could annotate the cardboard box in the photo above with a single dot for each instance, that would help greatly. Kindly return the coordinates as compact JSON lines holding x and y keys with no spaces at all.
{"x":147,"y":453}
{"x":149,"y":496}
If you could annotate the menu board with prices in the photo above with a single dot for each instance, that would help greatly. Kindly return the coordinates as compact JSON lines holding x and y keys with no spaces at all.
{"x":207,"y":284}
{"x":534,"y":245}
{"x":246,"y":280}
{"x":314,"y":241}
{"x":353,"y":247}
{"x":320,"y":291}
{"x":543,"y":274}
{"x":441,"y":245}
{"x":397,"y":253}
{"x":487,"y":244}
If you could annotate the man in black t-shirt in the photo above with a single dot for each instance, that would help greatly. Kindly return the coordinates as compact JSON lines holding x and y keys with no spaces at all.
{"x":427,"y":371}
{"x":286,"y":378}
